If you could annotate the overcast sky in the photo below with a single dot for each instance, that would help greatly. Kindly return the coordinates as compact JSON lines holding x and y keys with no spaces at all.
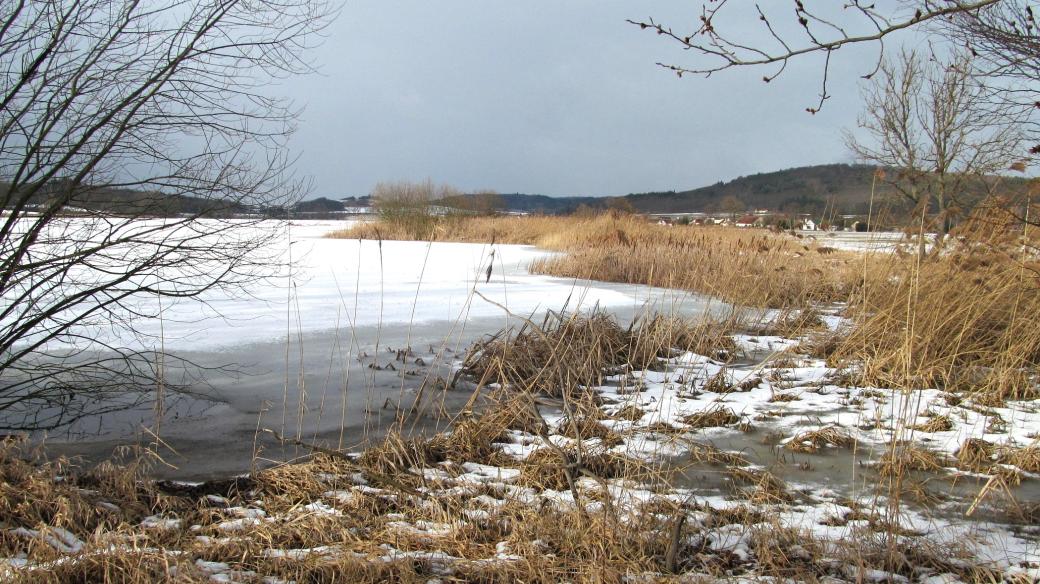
{"x":551,"y":97}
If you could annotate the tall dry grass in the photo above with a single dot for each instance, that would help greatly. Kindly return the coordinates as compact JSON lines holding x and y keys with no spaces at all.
{"x":963,"y":319}
{"x":525,"y":230}
{"x":741,"y":266}
{"x":569,"y":352}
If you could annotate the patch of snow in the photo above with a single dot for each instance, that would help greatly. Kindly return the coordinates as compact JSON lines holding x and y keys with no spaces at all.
{"x":160,"y":523}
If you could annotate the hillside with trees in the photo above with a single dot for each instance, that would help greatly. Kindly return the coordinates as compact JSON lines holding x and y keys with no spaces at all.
{"x":808,"y":189}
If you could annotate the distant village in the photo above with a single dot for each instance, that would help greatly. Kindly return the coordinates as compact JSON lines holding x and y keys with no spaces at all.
{"x":765,"y":218}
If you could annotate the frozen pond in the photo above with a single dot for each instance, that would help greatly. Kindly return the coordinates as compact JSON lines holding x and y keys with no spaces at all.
{"x":322,"y":355}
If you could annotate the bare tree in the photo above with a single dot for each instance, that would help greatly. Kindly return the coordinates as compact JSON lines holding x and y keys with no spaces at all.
{"x":412,"y":207}
{"x":487,"y":202}
{"x":483,"y":202}
{"x":129,"y":132}
{"x":732,"y":206}
{"x":1004,"y":42}
{"x":1001,"y":36}
{"x":933,"y":126}
{"x":621,"y":205}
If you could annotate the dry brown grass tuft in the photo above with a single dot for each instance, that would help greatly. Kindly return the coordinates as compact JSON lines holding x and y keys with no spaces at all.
{"x":585,"y":427}
{"x":396,"y":454}
{"x":706,"y":453}
{"x":1026,"y":458}
{"x":658,"y":336}
{"x":792,"y":323}
{"x":473,"y":436}
{"x":735,"y":515}
{"x":713,"y":418}
{"x":905,"y":457}
{"x":975,"y":455}
{"x":719,"y":383}
{"x":630,"y":412}
{"x":788,"y":553}
{"x":548,"y":468}
{"x":722,"y":382}
{"x":563,"y":355}
{"x":764,"y":487}
{"x":822,"y":344}
{"x":813,"y":440}
{"x":63,"y":494}
{"x":131,"y":566}
{"x":936,"y":423}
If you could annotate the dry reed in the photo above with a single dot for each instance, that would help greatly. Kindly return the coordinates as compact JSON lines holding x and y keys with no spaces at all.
{"x":744,"y":266}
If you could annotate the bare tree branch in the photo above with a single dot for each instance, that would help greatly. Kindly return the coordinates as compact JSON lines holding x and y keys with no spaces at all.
{"x":130,"y":134}
{"x":720,"y":45}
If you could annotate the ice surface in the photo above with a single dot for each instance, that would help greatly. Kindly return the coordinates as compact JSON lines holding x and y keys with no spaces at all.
{"x":345,"y":284}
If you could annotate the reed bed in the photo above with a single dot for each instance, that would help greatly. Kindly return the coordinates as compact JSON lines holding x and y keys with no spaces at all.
{"x":570,"y":352}
{"x":525,"y":230}
{"x":749,"y":267}
{"x":962,"y":320}
{"x":745,"y":267}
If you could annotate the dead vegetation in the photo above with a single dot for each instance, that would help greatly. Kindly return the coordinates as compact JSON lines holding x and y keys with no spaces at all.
{"x":724,"y":382}
{"x":975,"y":455}
{"x":792,"y":322}
{"x":402,"y":511}
{"x":962,"y":320}
{"x":705,"y":453}
{"x":456,"y":506}
{"x":935,"y":423}
{"x":902,"y":458}
{"x":713,"y":418}
{"x":614,"y":247}
{"x":568,"y":352}
{"x":630,"y":413}
{"x":813,"y":440}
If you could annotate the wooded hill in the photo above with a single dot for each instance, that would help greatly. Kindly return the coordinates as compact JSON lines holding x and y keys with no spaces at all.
{"x":834,"y":189}
{"x":808,"y":189}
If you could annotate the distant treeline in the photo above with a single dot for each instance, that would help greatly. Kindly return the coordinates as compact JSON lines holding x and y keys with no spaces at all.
{"x":831,"y":189}
{"x":122,"y":201}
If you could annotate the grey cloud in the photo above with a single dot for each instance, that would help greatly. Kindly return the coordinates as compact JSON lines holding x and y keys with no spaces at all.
{"x":548,"y":97}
